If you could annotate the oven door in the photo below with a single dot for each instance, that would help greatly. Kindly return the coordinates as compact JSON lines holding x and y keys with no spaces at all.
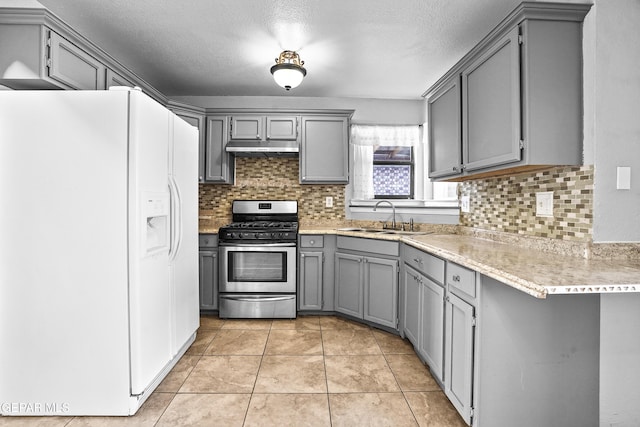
{"x":263,"y":268}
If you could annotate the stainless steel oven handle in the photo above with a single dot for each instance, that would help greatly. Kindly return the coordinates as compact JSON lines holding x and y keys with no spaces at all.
{"x":260,"y":245}
{"x":254,"y":299}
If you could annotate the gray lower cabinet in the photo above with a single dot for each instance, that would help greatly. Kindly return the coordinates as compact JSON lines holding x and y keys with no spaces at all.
{"x":366,"y":279}
{"x":208,"y":264}
{"x":349,"y":284}
{"x":459,"y":338}
{"x":431,"y":342}
{"x":310,"y":280}
{"x":423,"y":309}
{"x":324,"y":157}
{"x":218,"y":164}
{"x":412,"y":316}
{"x":315,"y":272}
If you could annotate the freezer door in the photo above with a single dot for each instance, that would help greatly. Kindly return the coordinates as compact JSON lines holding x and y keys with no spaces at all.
{"x":64,"y":323}
{"x":149,"y":221}
{"x":184,"y":249}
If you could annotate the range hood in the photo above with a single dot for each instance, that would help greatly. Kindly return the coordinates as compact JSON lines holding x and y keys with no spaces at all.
{"x":267,"y":148}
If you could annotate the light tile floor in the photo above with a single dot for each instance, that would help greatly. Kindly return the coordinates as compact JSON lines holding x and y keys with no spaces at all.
{"x":311,"y":371}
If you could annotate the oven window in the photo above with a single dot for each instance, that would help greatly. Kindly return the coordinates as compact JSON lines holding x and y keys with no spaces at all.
{"x":257,"y":267}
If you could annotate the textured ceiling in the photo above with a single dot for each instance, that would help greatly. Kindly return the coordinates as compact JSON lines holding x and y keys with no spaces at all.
{"x":351,"y":48}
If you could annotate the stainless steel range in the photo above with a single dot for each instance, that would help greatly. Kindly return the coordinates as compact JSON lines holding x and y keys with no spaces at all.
{"x":258,"y":260}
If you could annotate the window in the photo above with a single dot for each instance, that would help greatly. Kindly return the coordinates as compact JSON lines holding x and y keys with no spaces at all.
{"x":393,"y":172}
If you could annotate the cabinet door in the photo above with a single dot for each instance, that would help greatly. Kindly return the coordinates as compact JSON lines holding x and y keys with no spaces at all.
{"x":411,"y":312}
{"x":115,"y":79}
{"x":218,"y":163}
{"x":431,"y":345}
{"x":445,"y":143}
{"x":458,"y":354}
{"x":247,"y":127}
{"x":197,"y":121}
{"x":324,"y":147}
{"x":381,"y":291}
{"x":310,"y":282}
{"x":282,"y":128}
{"x":72,"y":66}
{"x":491,"y":109}
{"x":208,"y":280}
{"x":348,"y":271}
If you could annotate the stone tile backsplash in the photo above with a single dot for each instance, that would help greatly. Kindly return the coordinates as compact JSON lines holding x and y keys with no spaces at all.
{"x":274,"y":178}
{"x":508,"y":204}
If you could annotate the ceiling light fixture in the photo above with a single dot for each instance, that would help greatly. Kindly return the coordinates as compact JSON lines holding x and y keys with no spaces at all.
{"x":288,"y":71}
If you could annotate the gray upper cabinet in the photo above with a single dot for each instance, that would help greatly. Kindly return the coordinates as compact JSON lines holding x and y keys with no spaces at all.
{"x":324,"y":157}
{"x":73,"y":67}
{"x":47,"y":60}
{"x":116,"y":79}
{"x":264,"y":128}
{"x":219,"y":165}
{"x":444,"y":130}
{"x":247,"y":127}
{"x":196,"y":119}
{"x":519,"y":97}
{"x":491,"y":106}
{"x":282,"y":128}
{"x":40,"y":51}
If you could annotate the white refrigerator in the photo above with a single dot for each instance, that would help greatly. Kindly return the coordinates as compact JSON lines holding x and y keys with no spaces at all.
{"x":98,"y":249}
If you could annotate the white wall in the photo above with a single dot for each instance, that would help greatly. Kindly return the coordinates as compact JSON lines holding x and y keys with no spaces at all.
{"x":367,"y":111}
{"x":612,"y":86}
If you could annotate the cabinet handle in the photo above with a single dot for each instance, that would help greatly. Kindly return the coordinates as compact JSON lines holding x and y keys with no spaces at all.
{"x":312,"y":242}
{"x":456,"y":278}
{"x":455,"y":169}
{"x":418,"y":260}
{"x":301,"y":255}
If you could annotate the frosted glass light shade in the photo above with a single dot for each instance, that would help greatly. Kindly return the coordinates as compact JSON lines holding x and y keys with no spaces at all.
{"x":288,"y":71}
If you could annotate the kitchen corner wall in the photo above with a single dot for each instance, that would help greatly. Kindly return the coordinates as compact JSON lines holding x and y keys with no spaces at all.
{"x":508,"y":204}
{"x":274,"y":178}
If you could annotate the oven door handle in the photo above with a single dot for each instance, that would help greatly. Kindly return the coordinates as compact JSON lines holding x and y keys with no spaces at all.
{"x":259,"y":298}
{"x":260,"y":245}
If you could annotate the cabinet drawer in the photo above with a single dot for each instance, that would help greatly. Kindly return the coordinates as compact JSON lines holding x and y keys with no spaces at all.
{"x":424,"y":263}
{"x":461,"y":279}
{"x":381,"y":247}
{"x":208,"y":240}
{"x":311,"y":241}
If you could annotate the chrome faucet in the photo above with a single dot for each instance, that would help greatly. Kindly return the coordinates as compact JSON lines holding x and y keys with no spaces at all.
{"x":393,"y":222}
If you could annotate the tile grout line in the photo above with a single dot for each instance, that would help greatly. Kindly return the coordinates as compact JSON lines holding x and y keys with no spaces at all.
{"x":404,"y":396}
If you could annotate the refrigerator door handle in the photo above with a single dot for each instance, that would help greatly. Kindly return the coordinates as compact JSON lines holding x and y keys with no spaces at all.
{"x":178,"y":217}
{"x":175,"y":219}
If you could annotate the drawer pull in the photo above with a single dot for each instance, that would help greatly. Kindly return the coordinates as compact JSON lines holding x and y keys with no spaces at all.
{"x":418,"y":260}
{"x":456,"y":278}
{"x":312,"y":242}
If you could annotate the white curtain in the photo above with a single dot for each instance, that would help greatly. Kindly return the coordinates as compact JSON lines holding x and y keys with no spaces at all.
{"x":365,"y":139}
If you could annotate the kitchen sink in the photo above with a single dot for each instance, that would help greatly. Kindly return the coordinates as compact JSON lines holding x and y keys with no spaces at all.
{"x":384,"y":231}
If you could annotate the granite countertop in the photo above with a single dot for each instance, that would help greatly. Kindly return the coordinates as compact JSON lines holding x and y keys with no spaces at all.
{"x":535,"y":272}
{"x":532,"y":271}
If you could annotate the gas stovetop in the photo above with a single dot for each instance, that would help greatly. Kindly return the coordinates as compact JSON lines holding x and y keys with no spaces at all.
{"x":261,"y":221}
